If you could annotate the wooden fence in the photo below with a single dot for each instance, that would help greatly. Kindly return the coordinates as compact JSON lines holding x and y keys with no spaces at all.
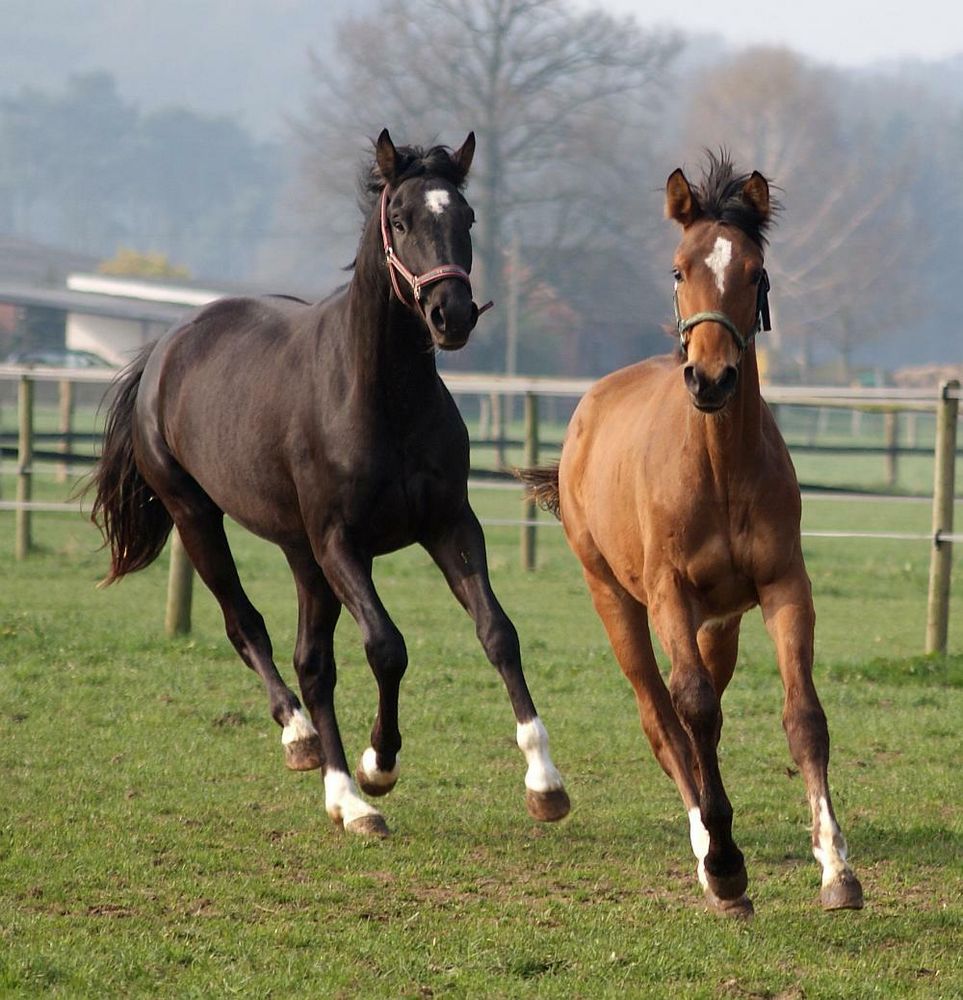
{"x":494,"y":391}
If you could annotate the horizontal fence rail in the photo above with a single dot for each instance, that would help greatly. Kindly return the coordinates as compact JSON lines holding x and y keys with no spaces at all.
{"x":494,"y":388}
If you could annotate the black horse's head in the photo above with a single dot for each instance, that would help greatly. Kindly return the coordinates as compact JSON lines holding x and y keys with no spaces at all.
{"x":425,"y":225}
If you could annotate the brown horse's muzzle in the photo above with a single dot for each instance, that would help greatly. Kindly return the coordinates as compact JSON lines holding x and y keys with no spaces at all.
{"x":710,"y":393}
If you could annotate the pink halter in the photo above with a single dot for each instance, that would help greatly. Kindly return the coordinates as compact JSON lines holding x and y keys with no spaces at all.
{"x":417,"y":282}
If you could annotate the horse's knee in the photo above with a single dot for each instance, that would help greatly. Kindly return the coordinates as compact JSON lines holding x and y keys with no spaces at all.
{"x":695,"y":700}
{"x":318,"y":680}
{"x":247,"y":631}
{"x":499,"y":639}
{"x":807,"y":733}
{"x":387,"y":653}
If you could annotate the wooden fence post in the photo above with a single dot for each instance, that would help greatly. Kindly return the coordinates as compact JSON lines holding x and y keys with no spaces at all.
{"x":180,"y":586}
{"x":66,"y":427}
{"x":529,"y":510}
{"x":484,"y":417}
{"x":891,"y":437}
{"x":24,"y":466}
{"x":498,"y":429}
{"x":941,"y":557}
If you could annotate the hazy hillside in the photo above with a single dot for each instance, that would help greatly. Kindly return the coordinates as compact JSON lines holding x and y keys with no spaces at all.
{"x":166,"y":128}
{"x":242,"y":58}
{"x":943,"y":79}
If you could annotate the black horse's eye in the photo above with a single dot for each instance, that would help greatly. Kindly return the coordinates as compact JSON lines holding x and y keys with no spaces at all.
{"x":398,"y":225}
{"x":471,"y":218}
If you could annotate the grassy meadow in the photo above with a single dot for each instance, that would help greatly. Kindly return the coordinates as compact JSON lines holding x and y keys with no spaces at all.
{"x":152,"y":843}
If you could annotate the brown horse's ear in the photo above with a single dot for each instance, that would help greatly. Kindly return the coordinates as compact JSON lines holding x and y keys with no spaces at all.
{"x":386,"y":156}
{"x":681,"y":204}
{"x":464,"y":156}
{"x":755,"y":192}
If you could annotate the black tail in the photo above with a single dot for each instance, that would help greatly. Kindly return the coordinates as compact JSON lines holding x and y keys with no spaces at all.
{"x":541,"y":484}
{"x":133,"y":521}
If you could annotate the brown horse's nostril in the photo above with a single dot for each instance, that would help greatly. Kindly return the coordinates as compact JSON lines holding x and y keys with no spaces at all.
{"x":708,"y":393}
{"x":728,"y":380}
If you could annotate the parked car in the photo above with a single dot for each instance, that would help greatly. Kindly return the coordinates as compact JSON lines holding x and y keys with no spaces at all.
{"x":57,"y":359}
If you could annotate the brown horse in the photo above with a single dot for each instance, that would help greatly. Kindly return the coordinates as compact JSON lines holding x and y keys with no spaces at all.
{"x":678,"y":495}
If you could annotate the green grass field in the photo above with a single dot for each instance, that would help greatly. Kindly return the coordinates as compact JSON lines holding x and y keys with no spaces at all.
{"x":152,"y":843}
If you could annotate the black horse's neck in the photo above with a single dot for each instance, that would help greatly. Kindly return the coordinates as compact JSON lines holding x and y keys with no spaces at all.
{"x":387,"y":338}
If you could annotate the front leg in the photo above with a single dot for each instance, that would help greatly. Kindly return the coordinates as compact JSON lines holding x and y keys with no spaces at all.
{"x":459,"y":551}
{"x":348,"y":572}
{"x":788,"y":611}
{"x":697,"y":703}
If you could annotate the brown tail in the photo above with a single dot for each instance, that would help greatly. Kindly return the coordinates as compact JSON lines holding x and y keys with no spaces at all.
{"x":133,"y":521}
{"x":541,"y":484}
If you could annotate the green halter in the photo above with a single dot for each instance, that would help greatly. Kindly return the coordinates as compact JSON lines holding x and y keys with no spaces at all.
{"x":763,"y":321}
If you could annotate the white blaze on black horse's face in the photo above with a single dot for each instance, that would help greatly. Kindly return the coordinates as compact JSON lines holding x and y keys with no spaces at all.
{"x":437,"y":200}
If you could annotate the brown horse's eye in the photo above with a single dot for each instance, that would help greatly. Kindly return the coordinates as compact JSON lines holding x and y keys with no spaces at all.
{"x":676,"y":274}
{"x":755,"y":277}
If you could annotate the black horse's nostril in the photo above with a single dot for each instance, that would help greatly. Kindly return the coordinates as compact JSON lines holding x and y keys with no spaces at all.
{"x":438,"y":319}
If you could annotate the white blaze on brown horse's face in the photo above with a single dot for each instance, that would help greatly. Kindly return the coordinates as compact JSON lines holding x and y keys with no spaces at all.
{"x":718,"y":261}
{"x":717,"y":269}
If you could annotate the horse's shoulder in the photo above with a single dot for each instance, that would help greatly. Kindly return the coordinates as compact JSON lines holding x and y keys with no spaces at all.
{"x":633,"y":377}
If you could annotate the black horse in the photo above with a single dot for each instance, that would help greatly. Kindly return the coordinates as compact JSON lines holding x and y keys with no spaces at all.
{"x":326,"y":429}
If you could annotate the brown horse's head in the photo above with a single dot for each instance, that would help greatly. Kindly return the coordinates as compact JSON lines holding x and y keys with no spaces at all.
{"x":425,"y":226}
{"x":719,"y":274}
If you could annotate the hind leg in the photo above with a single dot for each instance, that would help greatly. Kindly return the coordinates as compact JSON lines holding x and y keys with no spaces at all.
{"x":318,"y":613}
{"x":790,"y":618}
{"x":201,"y":527}
{"x":460,"y":554}
{"x":347,"y":571}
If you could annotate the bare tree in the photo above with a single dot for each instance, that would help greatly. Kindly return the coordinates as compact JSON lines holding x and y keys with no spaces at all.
{"x":547,"y":90}
{"x":848,"y":222}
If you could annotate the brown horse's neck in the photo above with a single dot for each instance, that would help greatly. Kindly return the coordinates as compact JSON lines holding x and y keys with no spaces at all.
{"x":735,"y":433}
{"x":748,"y":395}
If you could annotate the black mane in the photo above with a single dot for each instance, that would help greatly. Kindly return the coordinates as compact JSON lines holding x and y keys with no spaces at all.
{"x":413,"y":161}
{"x":720,"y":198}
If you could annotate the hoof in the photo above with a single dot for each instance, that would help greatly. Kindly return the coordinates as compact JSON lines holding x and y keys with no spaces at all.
{"x":303,"y":755}
{"x":845,"y":893}
{"x":728,"y":888}
{"x":371,"y":826}
{"x":547,"y":807}
{"x":740,"y":909}
{"x":369,"y":787}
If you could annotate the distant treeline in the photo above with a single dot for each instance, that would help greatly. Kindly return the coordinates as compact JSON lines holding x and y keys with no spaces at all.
{"x":579,"y":118}
{"x":86,"y":170}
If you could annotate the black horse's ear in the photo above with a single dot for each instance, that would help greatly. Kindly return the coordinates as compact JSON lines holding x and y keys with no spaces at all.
{"x":681,"y":204}
{"x":755,"y":192}
{"x":386,"y":156}
{"x":464,"y":156}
